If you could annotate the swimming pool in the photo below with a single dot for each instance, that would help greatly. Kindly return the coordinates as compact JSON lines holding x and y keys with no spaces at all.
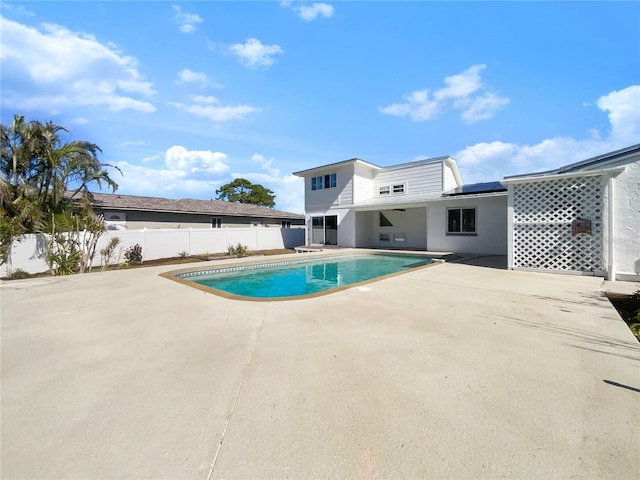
{"x":298,"y":278}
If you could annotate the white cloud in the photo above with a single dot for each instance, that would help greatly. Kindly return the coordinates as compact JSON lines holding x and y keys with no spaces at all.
{"x":186,"y":21}
{"x":18,"y":10}
{"x":197,"y":174}
{"x":288,"y":189}
{"x":208,"y":107}
{"x":266,"y":164}
{"x":310,"y":12}
{"x":494,"y":160}
{"x":189,"y":76}
{"x":483,"y":107}
{"x":623,"y":107}
{"x":133,"y":143}
{"x":254,"y":54}
{"x":198,"y":163}
{"x":52,"y":69}
{"x":79,"y":121}
{"x":464,"y":92}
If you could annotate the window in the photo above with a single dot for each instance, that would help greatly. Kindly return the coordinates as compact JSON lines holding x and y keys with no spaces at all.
{"x":399,"y":237}
{"x":286,"y":224}
{"x":385,"y":237}
{"x":396,"y":189}
{"x":461,"y":221}
{"x":216,"y":222}
{"x":326,"y":181}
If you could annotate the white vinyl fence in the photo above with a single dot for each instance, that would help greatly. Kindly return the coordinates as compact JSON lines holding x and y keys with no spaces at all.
{"x":29,"y":254}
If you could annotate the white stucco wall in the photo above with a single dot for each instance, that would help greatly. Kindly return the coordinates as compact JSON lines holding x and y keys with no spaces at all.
{"x":491,"y":226}
{"x":410,"y":223}
{"x":627,"y":223}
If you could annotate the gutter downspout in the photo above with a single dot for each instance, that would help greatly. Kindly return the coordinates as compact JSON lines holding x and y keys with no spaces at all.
{"x":611,"y":269}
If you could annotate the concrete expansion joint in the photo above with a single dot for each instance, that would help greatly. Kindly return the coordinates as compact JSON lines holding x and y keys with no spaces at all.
{"x":235,"y":400}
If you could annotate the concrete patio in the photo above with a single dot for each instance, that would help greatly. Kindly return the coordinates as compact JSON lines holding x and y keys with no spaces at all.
{"x":452,"y":371}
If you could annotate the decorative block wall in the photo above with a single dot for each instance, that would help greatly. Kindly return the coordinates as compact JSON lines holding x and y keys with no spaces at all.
{"x":557,"y":224}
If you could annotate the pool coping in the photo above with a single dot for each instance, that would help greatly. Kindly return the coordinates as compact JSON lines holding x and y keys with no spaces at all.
{"x":174,"y":275}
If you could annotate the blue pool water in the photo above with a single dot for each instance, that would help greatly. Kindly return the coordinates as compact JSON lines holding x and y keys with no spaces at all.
{"x":304,"y":277}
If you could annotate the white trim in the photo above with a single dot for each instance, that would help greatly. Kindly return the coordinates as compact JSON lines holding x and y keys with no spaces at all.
{"x":611,"y":268}
{"x":510,"y":227}
{"x":544,"y":178}
{"x":559,"y":272}
{"x":469,"y":195}
{"x":627,"y":277}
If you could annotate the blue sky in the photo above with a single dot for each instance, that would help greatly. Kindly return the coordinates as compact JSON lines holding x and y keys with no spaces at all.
{"x":186,"y":96}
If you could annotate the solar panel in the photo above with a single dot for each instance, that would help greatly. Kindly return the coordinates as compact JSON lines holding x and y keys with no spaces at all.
{"x":485,"y":187}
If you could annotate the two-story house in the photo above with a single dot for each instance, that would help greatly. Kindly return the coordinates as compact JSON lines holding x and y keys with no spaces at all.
{"x":420,"y":204}
{"x":582,"y":218}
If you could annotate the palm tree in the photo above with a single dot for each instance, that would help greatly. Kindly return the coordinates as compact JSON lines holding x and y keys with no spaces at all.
{"x":37,"y":169}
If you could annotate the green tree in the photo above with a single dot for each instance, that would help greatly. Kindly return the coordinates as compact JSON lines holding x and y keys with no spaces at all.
{"x":242,"y":190}
{"x":41,"y":176}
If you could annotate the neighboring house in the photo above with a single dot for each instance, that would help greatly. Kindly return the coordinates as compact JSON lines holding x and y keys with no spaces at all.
{"x":414,"y":205}
{"x":562,"y":220}
{"x":582,"y":218}
{"x":133,"y":212}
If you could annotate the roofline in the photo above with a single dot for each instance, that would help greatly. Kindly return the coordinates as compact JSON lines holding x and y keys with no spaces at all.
{"x":500,"y":193}
{"x":268,"y":212}
{"x":541,"y":178}
{"x":192,"y":212}
{"x":446,"y":158}
{"x":582,"y":164}
{"x":302,"y":173}
{"x":454,"y":167}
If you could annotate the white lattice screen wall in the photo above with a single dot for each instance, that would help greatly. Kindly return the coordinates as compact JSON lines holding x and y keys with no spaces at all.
{"x":543,"y":213}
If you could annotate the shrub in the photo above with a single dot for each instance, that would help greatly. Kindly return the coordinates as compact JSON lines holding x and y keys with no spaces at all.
{"x":239,"y":249}
{"x":106,"y":253}
{"x":19,"y":274}
{"x":183,"y":254}
{"x":133,"y":255}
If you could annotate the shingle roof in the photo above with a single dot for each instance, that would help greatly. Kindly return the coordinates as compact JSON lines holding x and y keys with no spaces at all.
{"x":108,"y":201}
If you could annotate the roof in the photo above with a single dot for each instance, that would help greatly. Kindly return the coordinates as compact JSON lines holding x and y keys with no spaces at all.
{"x":108,"y":201}
{"x":396,"y":201}
{"x":302,"y":173}
{"x":594,"y":163}
{"x":475,"y":189}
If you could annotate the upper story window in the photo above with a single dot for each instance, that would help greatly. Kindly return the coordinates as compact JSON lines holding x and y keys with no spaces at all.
{"x":461,"y":221}
{"x":324,"y":181}
{"x":216,"y":222}
{"x":396,"y":188}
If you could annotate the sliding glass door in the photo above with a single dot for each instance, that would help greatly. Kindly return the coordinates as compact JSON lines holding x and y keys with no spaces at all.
{"x":324,"y":230}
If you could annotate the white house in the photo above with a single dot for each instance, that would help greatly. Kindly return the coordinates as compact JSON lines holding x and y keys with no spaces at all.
{"x":419,"y":204}
{"x":583,"y":218}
